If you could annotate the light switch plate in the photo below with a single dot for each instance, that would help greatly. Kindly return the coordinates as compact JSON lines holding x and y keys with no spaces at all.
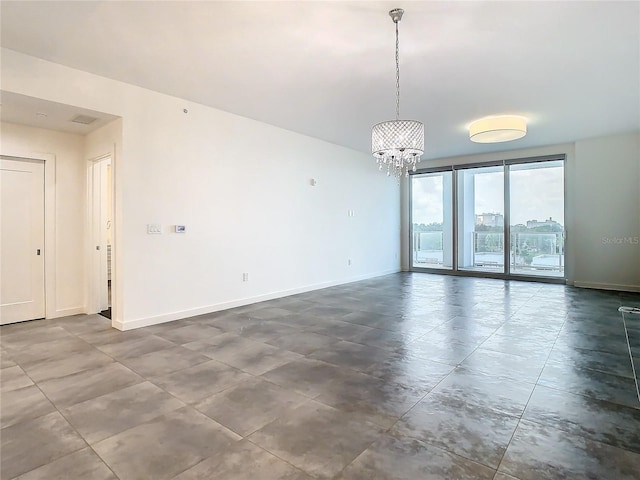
{"x":154,"y":229}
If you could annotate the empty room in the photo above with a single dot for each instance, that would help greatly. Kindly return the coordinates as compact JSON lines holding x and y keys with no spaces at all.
{"x":338,"y":240}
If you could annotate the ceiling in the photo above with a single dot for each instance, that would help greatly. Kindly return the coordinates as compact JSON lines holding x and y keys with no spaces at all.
{"x":326,"y":68}
{"x":16,"y":108}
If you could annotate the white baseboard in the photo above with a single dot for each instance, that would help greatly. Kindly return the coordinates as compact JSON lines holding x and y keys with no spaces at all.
{"x":118,"y":324}
{"x":607,"y":286}
{"x":66,"y":312}
{"x":169,"y":317}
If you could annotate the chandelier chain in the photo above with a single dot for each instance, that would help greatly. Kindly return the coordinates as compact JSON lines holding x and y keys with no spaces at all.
{"x":397,"y":74}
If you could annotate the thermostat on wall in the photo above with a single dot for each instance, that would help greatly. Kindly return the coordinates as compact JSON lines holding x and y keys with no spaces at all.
{"x":181,"y":229}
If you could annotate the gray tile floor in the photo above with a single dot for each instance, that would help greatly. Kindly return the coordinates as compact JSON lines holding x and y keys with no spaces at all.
{"x":407,"y":376}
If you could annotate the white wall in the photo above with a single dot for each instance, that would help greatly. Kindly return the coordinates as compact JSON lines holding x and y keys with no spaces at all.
{"x":607,"y":209}
{"x":242,"y":189}
{"x":602,"y":201}
{"x":67,"y":296}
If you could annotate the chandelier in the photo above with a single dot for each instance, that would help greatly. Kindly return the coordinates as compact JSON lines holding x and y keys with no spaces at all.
{"x":397,"y":144}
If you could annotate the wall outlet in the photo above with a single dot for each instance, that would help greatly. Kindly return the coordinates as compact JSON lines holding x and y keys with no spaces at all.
{"x":245,"y":277}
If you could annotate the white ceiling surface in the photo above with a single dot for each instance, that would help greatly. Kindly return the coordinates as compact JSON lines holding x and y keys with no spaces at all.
{"x":40,"y":113}
{"x":326,"y":68}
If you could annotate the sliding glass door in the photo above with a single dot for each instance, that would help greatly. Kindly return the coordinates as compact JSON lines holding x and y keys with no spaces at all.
{"x":432,"y":220}
{"x":536,"y":220}
{"x":501,"y":218}
{"x":481,"y":219}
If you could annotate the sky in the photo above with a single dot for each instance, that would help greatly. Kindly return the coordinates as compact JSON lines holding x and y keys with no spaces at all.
{"x":536,"y":194}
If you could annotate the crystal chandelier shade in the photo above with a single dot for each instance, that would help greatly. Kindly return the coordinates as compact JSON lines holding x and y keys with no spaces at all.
{"x":397,"y":144}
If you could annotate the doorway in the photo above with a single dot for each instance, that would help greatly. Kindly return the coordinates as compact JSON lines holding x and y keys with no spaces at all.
{"x":101,"y":221}
{"x":432,"y":221}
{"x":481,"y":219}
{"x":536,"y":219}
{"x":22,"y":217}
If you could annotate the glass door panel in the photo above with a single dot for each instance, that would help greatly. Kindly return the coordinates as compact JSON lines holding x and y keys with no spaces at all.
{"x":536,"y":217}
{"x":480,"y":193}
{"x":432,"y":220}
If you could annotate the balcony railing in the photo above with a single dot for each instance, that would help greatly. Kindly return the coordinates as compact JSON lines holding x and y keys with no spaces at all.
{"x":428,"y":249}
{"x":537,"y":251}
{"x":532,"y":252}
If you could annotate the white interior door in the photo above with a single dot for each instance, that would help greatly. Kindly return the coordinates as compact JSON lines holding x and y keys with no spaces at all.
{"x":101,"y":229}
{"x":21,"y":240}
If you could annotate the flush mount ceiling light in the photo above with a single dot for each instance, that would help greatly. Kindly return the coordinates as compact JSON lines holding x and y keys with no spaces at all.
{"x":397,"y":144}
{"x":502,"y":128}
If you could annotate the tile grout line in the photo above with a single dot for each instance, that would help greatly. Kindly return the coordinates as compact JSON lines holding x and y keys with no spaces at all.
{"x":442,"y":380}
{"x":145,"y":379}
{"x":186,"y":404}
{"x":71,"y":424}
{"x":579,"y":395}
{"x":531,"y":394}
{"x":429,"y":392}
{"x":87,"y":444}
{"x":276,"y":456}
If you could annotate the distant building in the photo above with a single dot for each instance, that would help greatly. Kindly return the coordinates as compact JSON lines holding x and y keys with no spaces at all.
{"x":490,"y":219}
{"x":546,"y":223}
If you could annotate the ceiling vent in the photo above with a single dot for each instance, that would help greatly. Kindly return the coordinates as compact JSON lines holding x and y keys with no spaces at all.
{"x":83,"y":119}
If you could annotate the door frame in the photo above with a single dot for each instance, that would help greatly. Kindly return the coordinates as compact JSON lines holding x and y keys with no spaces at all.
{"x":49,"y":159}
{"x":454,"y":219}
{"x":93,"y":288}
